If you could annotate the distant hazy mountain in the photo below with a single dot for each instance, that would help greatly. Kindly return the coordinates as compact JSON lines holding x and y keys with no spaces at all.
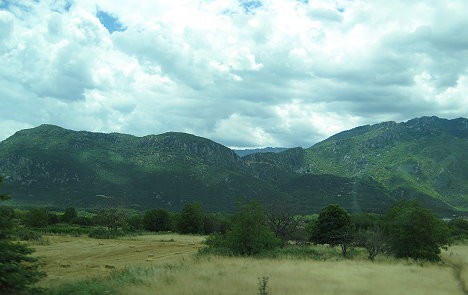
{"x":245,"y":152}
{"x":367,"y":168}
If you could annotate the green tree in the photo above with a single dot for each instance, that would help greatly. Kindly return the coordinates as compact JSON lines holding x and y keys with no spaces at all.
{"x":459,"y":228}
{"x":157,"y":220}
{"x":190,"y":220}
{"x":415,"y":232}
{"x":373,"y":240}
{"x":249,"y":233}
{"x":69,"y":215}
{"x":282,"y":222}
{"x":113,"y":219}
{"x":135,"y":222}
{"x":36,"y":217}
{"x":215,"y":223}
{"x":334,"y":227}
{"x":18,"y":270}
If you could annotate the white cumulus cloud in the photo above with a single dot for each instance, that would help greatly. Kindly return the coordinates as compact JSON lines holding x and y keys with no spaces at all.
{"x":243,"y":73}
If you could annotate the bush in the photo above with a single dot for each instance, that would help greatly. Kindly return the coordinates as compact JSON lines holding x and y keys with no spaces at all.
{"x":135,"y":223}
{"x":83,"y":221}
{"x":25,"y":234}
{"x":18,"y":270}
{"x":113,"y":218}
{"x":415,"y":232}
{"x":373,"y":240}
{"x":157,"y":220}
{"x":249,"y":234}
{"x":190,"y":220}
{"x":334,"y":227}
{"x":36,"y":217}
{"x":65,"y":229}
{"x":69,"y":215}
{"x":459,"y":228}
{"x":215,"y":223}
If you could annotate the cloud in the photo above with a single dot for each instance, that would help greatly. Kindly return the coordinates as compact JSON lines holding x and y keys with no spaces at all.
{"x":243,"y":73}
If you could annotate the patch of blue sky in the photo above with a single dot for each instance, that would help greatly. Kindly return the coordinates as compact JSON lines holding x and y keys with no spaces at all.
{"x":16,"y":4}
{"x":250,"y":5}
{"x":111,"y":22}
{"x":6,"y":4}
{"x":67,"y":5}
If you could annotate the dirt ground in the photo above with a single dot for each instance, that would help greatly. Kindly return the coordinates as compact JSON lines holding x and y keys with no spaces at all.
{"x":70,"y":258}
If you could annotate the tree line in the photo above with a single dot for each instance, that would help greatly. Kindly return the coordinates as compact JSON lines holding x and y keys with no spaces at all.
{"x":407,"y":230}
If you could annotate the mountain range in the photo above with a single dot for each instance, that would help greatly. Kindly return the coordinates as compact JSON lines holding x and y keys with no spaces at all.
{"x":367,"y":168}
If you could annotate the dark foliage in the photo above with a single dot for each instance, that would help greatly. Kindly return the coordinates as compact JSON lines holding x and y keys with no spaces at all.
{"x":135,"y":222}
{"x":190,"y":220}
{"x":373,"y":240}
{"x":69,"y":215}
{"x":157,"y":220}
{"x":334,"y":227}
{"x":36,"y":217}
{"x":215,"y":223}
{"x":282,"y":221}
{"x":459,"y":228}
{"x":415,"y":232}
{"x":113,"y":219}
{"x":249,"y":233}
{"x":18,"y":270}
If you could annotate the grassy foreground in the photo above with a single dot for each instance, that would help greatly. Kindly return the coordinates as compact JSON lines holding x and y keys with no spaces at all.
{"x":165,"y":264}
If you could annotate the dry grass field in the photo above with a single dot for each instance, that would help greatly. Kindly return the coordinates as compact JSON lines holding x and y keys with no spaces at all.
{"x":71,"y":258}
{"x":165,"y":264}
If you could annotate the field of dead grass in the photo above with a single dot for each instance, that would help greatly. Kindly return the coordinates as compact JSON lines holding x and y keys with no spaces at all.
{"x":165,"y":264}
{"x":70,"y":258}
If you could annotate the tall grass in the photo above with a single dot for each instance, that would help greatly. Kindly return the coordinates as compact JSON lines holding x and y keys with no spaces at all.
{"x":291,"y":270}
{"x":238,"y":275}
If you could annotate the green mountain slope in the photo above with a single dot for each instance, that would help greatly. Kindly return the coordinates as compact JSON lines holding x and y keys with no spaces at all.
{"x":423,"y":158}
{"x":50,"y":165}
{"x":368,"y":168}
{"x":291,"y":172}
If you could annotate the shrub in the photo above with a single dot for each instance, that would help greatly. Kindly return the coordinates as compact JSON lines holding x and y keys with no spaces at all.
{"x":69,"y":215}
{"x":215,"y":223}
{"x":157,"y":220}
{"x":83,"y":221}
{"x":334,"y":227}
{"x":263,"y":288}
{"x":415,"y":232}
{"x":18,"y":270}
{"x":373,"y":240}
{"x":36,"y":217}
{"x":135,"y":223}
{"x":113,"y":218}
{"x":65,"y":229}
{"x":25,"y":234}
{"x":249,"y":234}
{"x":459,"y":228}
{"x":190,"y":220}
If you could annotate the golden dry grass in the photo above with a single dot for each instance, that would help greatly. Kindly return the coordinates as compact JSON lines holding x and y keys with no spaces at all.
{"x":220,"y":275}
{"x":165,"y":264}
{"x":457,"y":256}
{"x":70,"y":258}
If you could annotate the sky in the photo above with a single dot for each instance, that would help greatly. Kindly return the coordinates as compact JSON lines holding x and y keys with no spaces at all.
{"x":242,"y":73}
